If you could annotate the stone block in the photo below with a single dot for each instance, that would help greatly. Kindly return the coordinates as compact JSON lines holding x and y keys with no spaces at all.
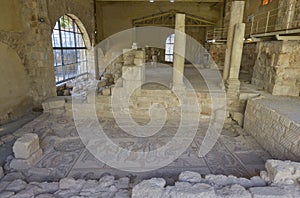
{"x":139,"y":54}
{"x":70,"y":183}
{"x":22,"y":164}
{"x":239,"y":117}
{"x":149,"y":188}
{"x":16,"y":185}
{"x":128,"y":56}
{"x":188,"y":176}
{"x":285,"y":90}
{"x":6,"y":194}
{"x":134,"y":73}
{"x":101,"y":84}
{"x":1,"y":172}
{"x":268,"y":192}
{"x":106,"y":92}
{"x":184,"y":189}
{"x":235,"y":191}
{"x":139,"y":61}
{"x":53,"y":103}
{"x":39,"y":171}
{"x":131,"y":86}
{"x":26,"y":145}
{"x":279,"y":171}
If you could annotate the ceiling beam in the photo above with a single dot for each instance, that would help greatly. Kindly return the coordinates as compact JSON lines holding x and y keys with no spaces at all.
{"x":195,"y":1}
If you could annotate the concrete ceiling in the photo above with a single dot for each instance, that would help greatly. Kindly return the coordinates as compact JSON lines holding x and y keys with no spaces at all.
{"x":196,"y":1}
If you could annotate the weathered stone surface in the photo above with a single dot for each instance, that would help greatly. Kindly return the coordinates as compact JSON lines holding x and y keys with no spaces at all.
{"x":1,"y":172}
{"x":153,"y":188}
{"x":48,"y":187}
{"x":123,"y":183}
{"x":221,"y":180}
{"x":217,"y":52}
{"x":188,"y":176}
{"x":274,"y":122}
{"x":71,"y":183}
{"x":139,"y":61}
{"x":45,"y":196}
{"x":276,"y":70}
{"x":183,"y":189}
{"x":101,"y":84}
{"x":39,"y":171}
{"x":106,"y":92}
{"x":13,"y":176}
{"x":16,"y":185}
{"x":194,"y":186}
{"x":53,"y":103}
{"x":26,"y":145}
{"x":269,"y":192}
{"x":235,"y":191}
{"x":23,"y":194}
{"x":6,"y":194}
{"x":106,"y":181}
{"x":279,"y":171}
{"x":133,"y":73}
{"x":21,"y":164}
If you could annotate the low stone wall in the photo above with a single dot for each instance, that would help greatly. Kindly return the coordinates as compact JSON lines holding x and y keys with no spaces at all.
{"x":274,"y":122}
{"x":277,"y":181}
{"x":281,"y":179}
{"x":277,"y":68}
{"x":140,"y":103}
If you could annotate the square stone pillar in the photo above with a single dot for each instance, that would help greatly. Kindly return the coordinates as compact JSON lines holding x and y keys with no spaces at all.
{"x":233,"y":83}
{"x":237,"y":51}
{"x":236,"y":16}
{"x":179,"y":51}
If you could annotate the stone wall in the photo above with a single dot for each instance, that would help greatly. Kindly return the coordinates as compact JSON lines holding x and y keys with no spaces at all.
{"x":277,"y":68}
{"x":274,"y":122}
{"x":217,"y":53}
{"x":248,"y":58}
{"x":27,"y":30}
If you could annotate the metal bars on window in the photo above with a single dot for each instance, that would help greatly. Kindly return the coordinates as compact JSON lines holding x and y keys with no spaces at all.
{"x":69,"y":50}
{"x":169,"y":48}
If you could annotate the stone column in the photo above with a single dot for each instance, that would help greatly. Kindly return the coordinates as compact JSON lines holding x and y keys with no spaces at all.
{"x":236,"y":16}
{"x":179,"y":51}
{"x":233,"y":83}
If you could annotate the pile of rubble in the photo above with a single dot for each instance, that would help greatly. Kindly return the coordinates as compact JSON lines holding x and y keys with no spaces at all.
{"x":107,"y":186}
{"x":64,"y":90}
{"x":282,"y":179}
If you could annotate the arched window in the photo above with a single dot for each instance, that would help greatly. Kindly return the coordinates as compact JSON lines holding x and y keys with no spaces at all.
{"x":69,"y":50}
{"x":169,"y":48}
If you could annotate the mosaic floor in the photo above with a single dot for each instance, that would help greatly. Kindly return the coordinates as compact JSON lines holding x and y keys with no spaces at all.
{"x":65,"y":155}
